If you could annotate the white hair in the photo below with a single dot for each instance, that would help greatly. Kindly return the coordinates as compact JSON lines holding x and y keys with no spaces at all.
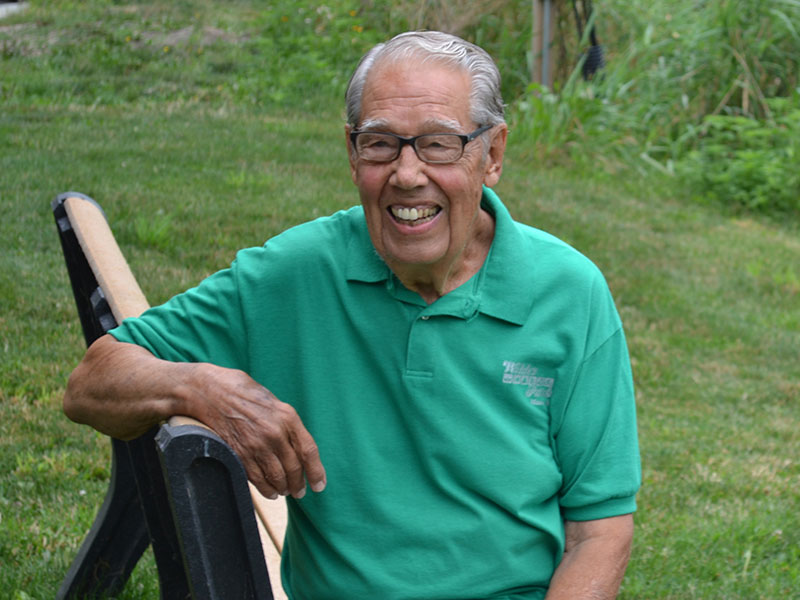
{"x":486,"y":102}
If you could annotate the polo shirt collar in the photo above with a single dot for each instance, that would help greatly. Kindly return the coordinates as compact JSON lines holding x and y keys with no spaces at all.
{"x":507,"y":289}
{"x":363,"y":261}
{"x":502,"y":289}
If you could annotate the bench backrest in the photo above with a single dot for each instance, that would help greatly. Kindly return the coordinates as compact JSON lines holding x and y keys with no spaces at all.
{"x":165,"y":488}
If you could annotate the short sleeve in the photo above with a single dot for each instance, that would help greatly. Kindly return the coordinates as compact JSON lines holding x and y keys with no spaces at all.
{"x":595,"y":439}
{"x":203,"y":324}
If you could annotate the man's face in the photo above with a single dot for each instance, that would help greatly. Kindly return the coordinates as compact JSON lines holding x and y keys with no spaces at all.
{"x":411,"y":99}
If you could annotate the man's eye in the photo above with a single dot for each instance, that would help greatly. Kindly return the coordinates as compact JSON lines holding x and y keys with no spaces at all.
{"x":437,"y":143}
{"x":376,"y":143}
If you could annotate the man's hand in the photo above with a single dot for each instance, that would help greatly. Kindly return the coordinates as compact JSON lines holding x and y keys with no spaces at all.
{"x":123,"y":390}
{"x":595,"y":557}
{"x":268,"y":436}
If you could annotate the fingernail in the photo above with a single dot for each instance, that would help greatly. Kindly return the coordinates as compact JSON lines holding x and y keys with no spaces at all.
{"x":273,"y":496}
{"x":300,"y":494}
{"x":319,"y":486}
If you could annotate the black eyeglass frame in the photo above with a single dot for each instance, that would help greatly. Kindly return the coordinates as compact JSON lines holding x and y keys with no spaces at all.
{"x":412,"y":141}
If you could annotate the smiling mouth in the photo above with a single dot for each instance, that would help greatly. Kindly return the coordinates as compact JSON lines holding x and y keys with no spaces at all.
{"x":414,"y":216}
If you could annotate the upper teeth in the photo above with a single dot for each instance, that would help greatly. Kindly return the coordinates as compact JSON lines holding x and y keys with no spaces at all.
{"x":412,"y":214}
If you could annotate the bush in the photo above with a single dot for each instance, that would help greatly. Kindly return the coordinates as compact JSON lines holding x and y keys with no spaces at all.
{"x":750,"y":163}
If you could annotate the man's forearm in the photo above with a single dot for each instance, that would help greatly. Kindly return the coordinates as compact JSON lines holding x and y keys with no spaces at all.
{"x":122,"y":390}
{"x":594,"y":561}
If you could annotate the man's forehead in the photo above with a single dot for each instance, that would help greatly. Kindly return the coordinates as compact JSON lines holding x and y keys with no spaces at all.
{"x":418,"y":65}
{"x":429,"y":124}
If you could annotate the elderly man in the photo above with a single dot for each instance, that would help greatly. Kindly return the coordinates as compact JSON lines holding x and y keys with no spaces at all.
{"x":463,"y":378}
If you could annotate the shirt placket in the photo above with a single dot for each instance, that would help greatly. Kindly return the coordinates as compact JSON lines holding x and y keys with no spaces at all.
{"x":423,"y":335}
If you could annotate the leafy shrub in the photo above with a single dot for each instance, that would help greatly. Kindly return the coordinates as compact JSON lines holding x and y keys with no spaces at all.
{"x":750,"y":163}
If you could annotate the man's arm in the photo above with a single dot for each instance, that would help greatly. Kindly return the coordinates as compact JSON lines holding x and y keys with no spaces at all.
{"x":122,"y":390}
{"x":595,"y":557}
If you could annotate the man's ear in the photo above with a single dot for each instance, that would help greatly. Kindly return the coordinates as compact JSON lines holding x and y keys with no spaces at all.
{"x":494,"y":158}
{"x":351,"y":152}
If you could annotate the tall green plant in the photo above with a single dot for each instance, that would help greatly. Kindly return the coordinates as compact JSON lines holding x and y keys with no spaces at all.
{"x":670,"y":64}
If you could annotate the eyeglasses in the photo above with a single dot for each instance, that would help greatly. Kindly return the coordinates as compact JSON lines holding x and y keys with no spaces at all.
{"x":434,"y":148}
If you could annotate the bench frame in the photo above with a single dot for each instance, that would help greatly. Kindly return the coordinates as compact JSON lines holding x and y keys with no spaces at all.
{"x":179,"y":488}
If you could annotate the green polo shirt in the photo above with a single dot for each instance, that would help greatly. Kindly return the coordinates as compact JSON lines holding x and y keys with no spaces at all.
{"x":456,"y":436}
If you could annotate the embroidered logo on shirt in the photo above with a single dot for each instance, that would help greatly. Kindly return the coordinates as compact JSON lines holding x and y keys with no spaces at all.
{"x":539,"y":389}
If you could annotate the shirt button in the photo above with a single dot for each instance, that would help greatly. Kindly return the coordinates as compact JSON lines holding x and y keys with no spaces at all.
{"x":425,"y":317}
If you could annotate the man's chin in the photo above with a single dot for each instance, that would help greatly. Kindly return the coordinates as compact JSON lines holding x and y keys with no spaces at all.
{"x":412,"y":255}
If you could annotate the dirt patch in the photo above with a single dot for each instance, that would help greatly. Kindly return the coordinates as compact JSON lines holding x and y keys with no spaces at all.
{"x":25,"y":39}
{"x":204,"y":37}
{"x":29,"y":39}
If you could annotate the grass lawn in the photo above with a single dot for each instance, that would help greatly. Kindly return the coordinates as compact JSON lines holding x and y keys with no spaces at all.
{"x":710,"y":301}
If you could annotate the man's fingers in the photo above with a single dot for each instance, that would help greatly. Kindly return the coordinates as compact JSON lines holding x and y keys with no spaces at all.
{"x":299,"y":456}
{"x":295,"y":477}
{"x":307,"y":453}
{"x":259,"y":479}
{"x":284,"y":456}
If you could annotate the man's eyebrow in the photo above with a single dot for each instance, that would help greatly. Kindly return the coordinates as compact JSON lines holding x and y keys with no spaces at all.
{"x":428,"y":126}
{"x":376,"y":124}
{"x":442,"y":125}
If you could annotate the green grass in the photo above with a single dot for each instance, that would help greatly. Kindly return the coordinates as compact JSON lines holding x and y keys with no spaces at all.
{"x":188,"y":173}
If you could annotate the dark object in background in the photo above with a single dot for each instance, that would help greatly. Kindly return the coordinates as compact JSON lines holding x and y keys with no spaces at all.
{"x":595,"y":60}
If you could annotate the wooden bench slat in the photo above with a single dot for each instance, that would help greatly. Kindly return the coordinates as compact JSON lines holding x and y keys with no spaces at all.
{"x":113,"y":274}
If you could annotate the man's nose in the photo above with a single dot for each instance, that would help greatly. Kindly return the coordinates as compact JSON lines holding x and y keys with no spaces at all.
{"x":408,"y":169}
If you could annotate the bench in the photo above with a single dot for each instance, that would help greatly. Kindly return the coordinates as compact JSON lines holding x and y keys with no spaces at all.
{"x":179,"y":487}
